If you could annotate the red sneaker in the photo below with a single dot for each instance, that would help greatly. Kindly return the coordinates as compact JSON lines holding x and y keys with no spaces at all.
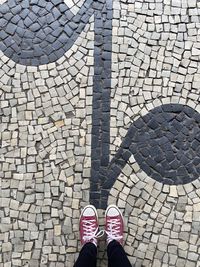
{"x":89,"y":226}
{"x":114,"y":224}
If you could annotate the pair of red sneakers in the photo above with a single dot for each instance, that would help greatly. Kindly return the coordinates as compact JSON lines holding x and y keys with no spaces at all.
{"x":89,"y":226}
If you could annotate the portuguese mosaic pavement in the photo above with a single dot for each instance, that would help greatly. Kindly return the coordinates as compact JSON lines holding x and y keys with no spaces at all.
{"x":99,"y":103}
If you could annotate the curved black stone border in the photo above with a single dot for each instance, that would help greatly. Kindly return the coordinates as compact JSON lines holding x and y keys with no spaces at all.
{"x":165,"y":144}
{"x":39,"y":32}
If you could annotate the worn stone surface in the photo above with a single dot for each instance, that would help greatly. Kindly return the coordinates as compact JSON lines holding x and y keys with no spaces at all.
{"x":99,"y":104}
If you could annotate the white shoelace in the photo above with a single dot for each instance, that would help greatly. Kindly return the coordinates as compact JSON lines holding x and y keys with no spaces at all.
{"x":90,"y":233}
{"x":113,"y":230}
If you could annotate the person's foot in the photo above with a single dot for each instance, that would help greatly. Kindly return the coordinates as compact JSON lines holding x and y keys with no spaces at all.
{"x":89,"y":226}
{"x":114,"y":227}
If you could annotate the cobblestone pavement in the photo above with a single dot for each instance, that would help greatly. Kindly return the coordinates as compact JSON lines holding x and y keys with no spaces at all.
{"x":99,"y":103}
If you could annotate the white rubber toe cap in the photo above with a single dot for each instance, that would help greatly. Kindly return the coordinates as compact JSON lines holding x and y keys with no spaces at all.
{"x":89,"y":211}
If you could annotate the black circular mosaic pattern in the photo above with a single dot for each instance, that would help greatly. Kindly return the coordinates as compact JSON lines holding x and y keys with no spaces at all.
{"x":35,"y":32}
{"x":166,"y":144}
